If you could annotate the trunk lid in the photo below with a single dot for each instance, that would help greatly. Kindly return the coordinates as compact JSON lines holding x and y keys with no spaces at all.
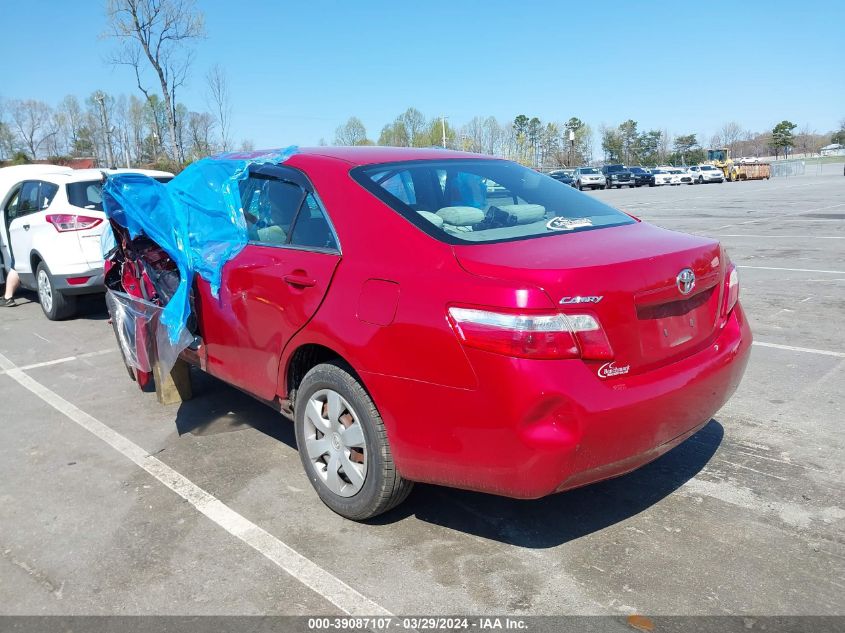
{"x":634,"y":269}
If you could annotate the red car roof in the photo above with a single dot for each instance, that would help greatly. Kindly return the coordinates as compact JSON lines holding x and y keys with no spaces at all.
{"x":368,"y":155}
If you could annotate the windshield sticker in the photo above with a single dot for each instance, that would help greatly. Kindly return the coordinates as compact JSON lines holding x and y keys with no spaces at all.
{"x":567,"y":224}
{"x":609,"y":370}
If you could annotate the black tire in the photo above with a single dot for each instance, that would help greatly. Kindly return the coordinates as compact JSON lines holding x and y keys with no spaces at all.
{"x":383,"y":487}
{"x":700,"y":180}
{"x":55,"y":305}
{"x":580,"y":186}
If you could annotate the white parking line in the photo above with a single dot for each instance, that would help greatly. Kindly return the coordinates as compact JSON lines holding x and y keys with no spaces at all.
{"x":298,"y":566}
{"x":66,"y":359}
{"x":805,"y":350}
{"x":791,"y":237}
{"x":795,"y":270}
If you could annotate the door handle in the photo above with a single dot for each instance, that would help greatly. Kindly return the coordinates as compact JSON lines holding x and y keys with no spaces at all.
{"x":300,"y":281}
{"x":26,"y":227}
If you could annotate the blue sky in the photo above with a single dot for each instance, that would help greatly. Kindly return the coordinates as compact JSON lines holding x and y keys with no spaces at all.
{"x":299,"y":69}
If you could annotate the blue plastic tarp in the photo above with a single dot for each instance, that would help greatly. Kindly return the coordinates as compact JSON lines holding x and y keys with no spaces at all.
{"x":196,"y":219}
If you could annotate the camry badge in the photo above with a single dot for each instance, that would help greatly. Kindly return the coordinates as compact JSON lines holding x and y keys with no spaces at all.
{"x":590,"y":299}
{"x":685,"y":281}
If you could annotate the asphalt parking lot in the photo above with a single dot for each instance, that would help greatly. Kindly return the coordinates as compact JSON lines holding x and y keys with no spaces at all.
{"x":746,"y":517}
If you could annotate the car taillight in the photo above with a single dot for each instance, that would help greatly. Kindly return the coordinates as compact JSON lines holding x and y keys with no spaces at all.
{"x":67,"y":222}
{"x":531,"y":335}
{"x":731,"y":288}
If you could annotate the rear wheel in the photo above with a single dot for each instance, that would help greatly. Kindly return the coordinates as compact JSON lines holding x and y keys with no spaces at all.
{"x":56,"y":306}
{"x":343,"y":444}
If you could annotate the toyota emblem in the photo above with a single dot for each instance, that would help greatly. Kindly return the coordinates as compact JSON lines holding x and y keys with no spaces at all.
{"x":685,"y":281}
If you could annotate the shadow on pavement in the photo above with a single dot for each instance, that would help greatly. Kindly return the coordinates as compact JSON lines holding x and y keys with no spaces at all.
{"x":541,"y":523}
{"x":92,"y":307}
{"x":220,"y":408}
{"x":556,"y":519}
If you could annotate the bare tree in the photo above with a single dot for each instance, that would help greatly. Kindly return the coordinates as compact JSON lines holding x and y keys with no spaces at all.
{"x":352,"y":132}
{"x":730,"y":133}
{"x":414,"y":123}
{"x":200,"y":133}
{"x":31,"y":122}
{"x":161,"y":31}
{"x":218,"y":87}
{"x":74,"y":121}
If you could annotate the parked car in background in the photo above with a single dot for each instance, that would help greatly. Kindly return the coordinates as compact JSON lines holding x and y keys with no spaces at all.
{"x":664,"y":176}
{"x":589,"y":178}
{"x":681,"y":176}
{"x":563,"y":175}
{"x":618,"y":176}
{"x":51,"y":220}
{"x":642,"y":176}
{"x":706,"y":173}
{"x":560,"y":341}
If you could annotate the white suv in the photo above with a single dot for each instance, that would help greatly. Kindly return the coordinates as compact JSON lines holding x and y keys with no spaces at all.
{"x":706,"y":173}
{"x":52,"y":219}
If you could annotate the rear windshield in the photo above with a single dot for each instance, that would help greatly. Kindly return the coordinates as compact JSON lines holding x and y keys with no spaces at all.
{"x":482,"y":201}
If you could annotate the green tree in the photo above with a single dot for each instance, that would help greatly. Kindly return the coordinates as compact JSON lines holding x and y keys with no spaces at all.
{"x":611,"y":144}
{"x":583,"y":150}
{"x":684,"y":144}
{"x":394,"y":134}
{"x":783,"y":137}
{"x":649,"y":147}
{"x":628,"y":137}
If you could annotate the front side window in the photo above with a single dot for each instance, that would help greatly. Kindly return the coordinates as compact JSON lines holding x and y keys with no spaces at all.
{"x":28,"y":201}
{"x":11,"y":210}
{"x":269,"y":207}
{"x":478,"y":201}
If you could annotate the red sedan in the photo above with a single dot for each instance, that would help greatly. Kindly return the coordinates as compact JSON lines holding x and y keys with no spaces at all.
{"x":443,"y":317}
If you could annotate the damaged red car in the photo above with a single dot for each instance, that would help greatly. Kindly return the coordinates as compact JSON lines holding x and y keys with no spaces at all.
{"x":443,"y":317}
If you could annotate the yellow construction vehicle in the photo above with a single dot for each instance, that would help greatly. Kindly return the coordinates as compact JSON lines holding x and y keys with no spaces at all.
{"x":739,"y":170}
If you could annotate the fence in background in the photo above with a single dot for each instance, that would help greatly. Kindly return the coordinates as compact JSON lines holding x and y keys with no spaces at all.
{"x":787,"y":168}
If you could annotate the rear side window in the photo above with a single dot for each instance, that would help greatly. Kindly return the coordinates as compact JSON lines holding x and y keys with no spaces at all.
{"x":312,"y":227}
{"x":86,"y":195}
{"x":482,"y":201}
{"x":47,"y":193}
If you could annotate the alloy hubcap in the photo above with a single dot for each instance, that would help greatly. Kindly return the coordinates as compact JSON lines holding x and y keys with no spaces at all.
{"x":45,"y":291}
{"x":334,"y":442}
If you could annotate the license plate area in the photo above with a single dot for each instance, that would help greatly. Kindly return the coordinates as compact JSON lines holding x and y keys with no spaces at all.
{"x":674,"y":325}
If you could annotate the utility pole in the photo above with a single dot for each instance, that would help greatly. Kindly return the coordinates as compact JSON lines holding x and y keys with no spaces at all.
{"x":443,"y":130}
{"x":571,"y":147}
{"x":101,"y":99}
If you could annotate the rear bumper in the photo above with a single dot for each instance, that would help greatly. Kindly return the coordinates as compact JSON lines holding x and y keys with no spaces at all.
{"x":77,"y":284}
{"x":537,"y":427}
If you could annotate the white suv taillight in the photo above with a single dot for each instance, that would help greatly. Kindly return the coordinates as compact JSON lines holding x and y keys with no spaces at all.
{"x":531,"y":335}
{"x":68,"y":222}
